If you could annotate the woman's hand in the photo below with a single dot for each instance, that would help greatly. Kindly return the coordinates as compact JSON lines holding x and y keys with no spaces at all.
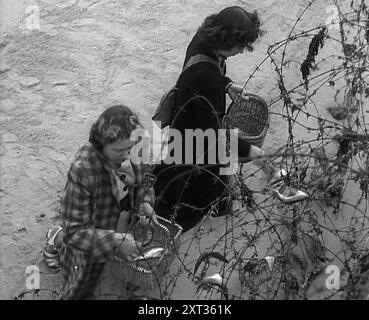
{"x":236,"y":92}
{"x":127,"y":246}
{"x":123,"y":222}
{"x":147,"y":213}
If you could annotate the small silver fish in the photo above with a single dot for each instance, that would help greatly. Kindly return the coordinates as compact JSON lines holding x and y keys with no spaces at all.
{"x":298,"y":196}
{"x":152,"y":253}
{"x":214,"y":279}
{"x":270,"y":260}
{"x":217,"y":280}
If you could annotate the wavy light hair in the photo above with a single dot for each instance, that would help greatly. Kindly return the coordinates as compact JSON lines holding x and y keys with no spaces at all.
{"x":116,"y":122}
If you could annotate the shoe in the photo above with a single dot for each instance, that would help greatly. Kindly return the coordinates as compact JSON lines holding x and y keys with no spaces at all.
{"x":51,"y":252}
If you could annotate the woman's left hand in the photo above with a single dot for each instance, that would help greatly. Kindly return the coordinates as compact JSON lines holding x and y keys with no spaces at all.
{"x":123,"y":222}
{"x":236,"y":91}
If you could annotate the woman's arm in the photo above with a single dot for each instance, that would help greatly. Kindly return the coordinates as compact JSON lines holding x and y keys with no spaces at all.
{"x":208,"y":111}
{"x":228,"y":82}
{"x":79,"y":233}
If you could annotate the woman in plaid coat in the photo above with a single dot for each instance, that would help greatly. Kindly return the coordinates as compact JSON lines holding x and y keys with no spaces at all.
{"x":94,"y":198}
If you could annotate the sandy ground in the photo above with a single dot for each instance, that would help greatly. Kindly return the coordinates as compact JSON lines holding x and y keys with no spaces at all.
{"x":85,"y":56}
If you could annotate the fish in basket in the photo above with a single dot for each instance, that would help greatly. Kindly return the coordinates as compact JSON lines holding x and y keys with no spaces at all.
{"x":147,"y":270}
{"x":251,"y":117}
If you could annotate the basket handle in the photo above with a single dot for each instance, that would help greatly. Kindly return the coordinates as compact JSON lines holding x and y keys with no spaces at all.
{"x":148,"y":181}
{"x":150,"y":232}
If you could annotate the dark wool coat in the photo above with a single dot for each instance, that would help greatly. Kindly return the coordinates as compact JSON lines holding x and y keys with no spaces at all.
{"x":187,"y":191}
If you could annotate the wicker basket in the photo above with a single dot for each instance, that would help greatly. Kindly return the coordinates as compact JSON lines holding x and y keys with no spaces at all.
{"x":148,"y":273}
{"x":251,"y":117}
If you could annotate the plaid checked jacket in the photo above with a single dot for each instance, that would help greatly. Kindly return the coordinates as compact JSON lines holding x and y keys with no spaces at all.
{"x":90,"y":211}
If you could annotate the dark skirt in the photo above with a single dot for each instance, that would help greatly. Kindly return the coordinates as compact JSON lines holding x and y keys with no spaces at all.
{"x":187,"y":193}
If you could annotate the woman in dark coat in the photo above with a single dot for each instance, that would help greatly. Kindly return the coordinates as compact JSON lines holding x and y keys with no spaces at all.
{"x":187,"y":192}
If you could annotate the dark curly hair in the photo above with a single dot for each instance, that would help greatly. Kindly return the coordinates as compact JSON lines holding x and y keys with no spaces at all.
{"x":232,"y":27}
{"x":116,"y":122}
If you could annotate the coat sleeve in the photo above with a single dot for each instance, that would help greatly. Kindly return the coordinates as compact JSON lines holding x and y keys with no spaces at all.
{"x":227,"y":81}
{"x":142,"y":177}
{"x":209,"y":111}
{"x":79,"y":233}
{"x":243,"y":146}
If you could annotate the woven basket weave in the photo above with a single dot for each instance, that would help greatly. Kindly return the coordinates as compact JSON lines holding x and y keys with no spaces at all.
{"x":251,"y":117}
{"x":148,"y":273}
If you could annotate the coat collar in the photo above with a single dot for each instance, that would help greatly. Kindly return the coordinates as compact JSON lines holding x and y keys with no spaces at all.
{"x":110,"y":171}
{"x":196,"y":46}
